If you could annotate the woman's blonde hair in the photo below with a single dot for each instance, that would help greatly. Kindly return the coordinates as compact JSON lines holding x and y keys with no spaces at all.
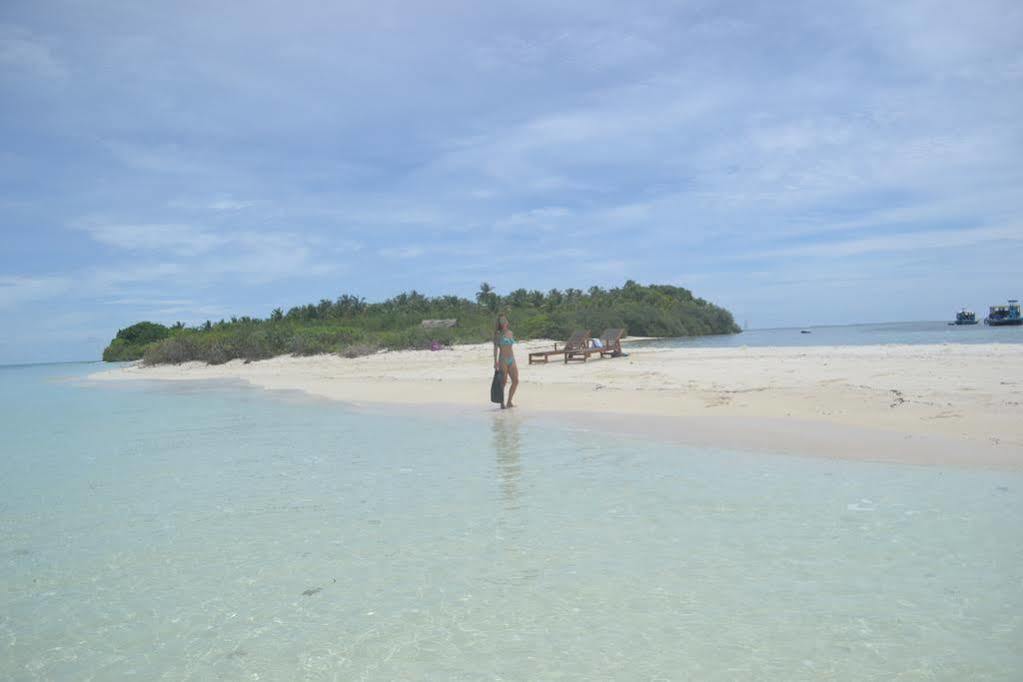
{"x":497,"y":325}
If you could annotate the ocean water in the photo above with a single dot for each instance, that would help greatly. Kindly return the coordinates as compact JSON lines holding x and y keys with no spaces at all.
{"x":908,"y":333}
{"x":197,"y":532}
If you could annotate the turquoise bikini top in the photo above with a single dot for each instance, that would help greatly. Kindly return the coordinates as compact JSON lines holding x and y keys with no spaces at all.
{"x":506,"y":341}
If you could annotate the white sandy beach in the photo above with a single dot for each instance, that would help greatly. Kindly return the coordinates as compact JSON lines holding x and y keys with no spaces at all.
{"x":947,"y":404}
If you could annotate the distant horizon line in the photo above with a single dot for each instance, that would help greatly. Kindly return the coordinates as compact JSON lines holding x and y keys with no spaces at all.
{"x":845,"y":324}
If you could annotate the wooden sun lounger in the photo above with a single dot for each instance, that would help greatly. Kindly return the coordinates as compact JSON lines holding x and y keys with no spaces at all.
{"x":611,"y":347}
{"x":578,"y":340}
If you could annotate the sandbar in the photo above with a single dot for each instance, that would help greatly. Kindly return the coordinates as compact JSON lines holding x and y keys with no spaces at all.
{"x":951,"y":404}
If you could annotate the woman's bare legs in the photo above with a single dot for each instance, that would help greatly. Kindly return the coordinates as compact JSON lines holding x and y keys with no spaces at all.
{"x":513,"y":372}
{"x":504,"y":383}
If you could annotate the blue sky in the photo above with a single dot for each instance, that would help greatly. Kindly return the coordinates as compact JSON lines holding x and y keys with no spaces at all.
{"x":796,"y":162}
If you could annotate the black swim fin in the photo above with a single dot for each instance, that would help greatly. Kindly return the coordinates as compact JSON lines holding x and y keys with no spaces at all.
{"x":497,"y":387}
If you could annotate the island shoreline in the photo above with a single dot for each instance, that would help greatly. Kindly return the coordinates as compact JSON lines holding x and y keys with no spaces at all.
{"x":782,"y":400}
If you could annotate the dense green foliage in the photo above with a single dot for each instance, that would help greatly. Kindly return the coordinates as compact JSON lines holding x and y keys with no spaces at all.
{"x":352,"y":327}
{"x":131,"y":342}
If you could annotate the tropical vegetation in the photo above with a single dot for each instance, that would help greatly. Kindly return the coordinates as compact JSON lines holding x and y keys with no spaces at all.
{"x":350,"y":326}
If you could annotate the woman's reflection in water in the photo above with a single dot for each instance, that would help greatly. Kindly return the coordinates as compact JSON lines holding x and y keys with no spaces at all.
{"x":509,"y":467}
{"x":520,"y":563}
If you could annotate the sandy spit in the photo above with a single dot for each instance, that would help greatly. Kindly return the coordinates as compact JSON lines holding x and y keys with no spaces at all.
{"x":939,"y":404}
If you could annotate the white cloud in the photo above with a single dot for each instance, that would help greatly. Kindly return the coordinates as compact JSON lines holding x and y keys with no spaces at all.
{"x":616,"y":130}
{"x":225,"y":204}
{"x":402,"y":252}
{"x":949,"y":38}
{"x":913,"y":241}
{"x":584,"y":47}
{"x":249,"y":255}
{"x":18,"y":289}
{"x":25,"y":54}
{"x":136,"y":301}
{"x":208,"y":259}
{"x":191,"y":314}
{"x":263,"y":258}
{"x":168,"y":158}
{"x":546,"y":218}
{"x":176,"y":238}
{"x":117,"y":279}
{"x":230,"y":205}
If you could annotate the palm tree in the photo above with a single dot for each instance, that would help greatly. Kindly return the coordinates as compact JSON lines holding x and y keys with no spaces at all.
{"x":347,"y":304}
{"x":483,"y":295}
{"x":518,"y":298}
{"x":487,"y":297}
{"x":416,"y":300}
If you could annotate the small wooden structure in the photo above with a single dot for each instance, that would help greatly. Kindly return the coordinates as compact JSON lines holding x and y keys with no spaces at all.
{"x":439,"y":324}
{"x":579,"y":339}
{"x":610,"y":347}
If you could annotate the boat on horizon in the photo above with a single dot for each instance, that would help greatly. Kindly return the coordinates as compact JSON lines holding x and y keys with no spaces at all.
{"x":964,"y":317}
{"x":1004,"y":315}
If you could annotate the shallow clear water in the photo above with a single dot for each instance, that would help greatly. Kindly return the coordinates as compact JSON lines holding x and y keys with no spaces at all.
{"x":221,"y":533}
{"x":911,"y":333}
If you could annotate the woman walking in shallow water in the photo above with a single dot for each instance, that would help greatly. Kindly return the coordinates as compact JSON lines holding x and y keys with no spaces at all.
{"x":504,"y":357}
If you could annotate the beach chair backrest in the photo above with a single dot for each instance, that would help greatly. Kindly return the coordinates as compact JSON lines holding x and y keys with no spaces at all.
{"x":579,"y":339}
{"x":611,"y":336}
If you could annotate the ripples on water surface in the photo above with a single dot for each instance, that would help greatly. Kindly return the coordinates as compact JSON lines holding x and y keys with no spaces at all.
{"x":197,"y":533}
